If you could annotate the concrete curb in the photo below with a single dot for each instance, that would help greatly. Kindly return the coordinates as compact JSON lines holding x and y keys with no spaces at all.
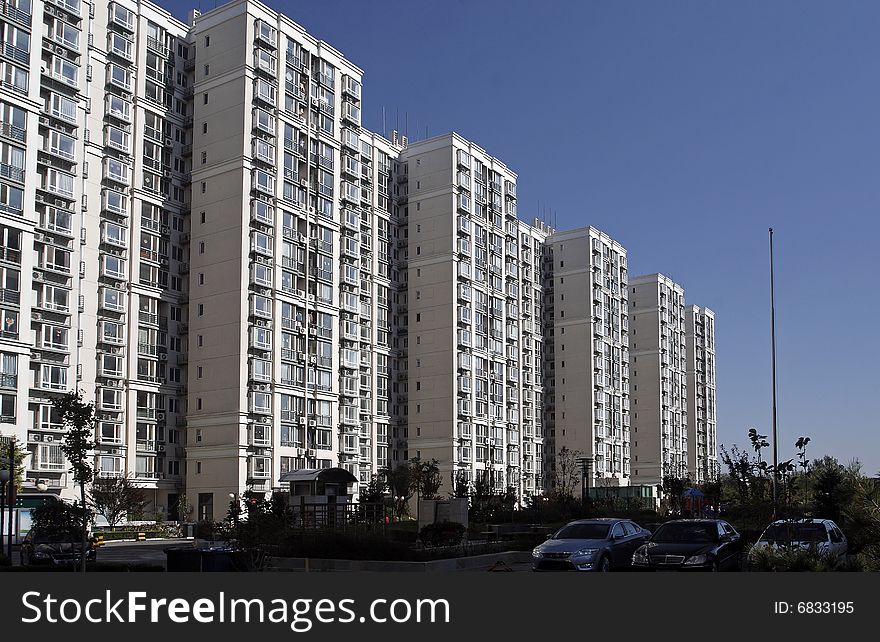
{"x":432,"y":566}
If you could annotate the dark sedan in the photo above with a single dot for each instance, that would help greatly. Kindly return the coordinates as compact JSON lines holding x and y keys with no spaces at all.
{"x":590,"y":545}
{"x":691,"y":544}
{"x":57,"y":549}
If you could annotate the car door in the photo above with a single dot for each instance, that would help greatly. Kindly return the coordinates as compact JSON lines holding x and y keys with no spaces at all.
{"x":732,"y":545}
{"x":618,"y":544}
{"x":635,"y":538}
{"x":838,"y":541}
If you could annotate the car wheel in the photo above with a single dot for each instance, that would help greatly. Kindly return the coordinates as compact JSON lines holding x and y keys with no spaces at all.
{"x":604,"y":564}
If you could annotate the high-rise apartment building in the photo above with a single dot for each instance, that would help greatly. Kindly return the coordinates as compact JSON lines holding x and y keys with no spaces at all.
{"x":94,"y":217}
{"x":474,"y":346}
{"x":587,"y":373}
{"x":294,"y":267}
{"x":658,"y":375}
{"x":197,"y":232}
{"x":702,"y":429}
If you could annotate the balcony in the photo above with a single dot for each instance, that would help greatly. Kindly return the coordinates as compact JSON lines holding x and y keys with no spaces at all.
{"x":156,"y":46}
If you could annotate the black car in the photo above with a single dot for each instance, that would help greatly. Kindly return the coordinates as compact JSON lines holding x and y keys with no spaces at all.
{"x":691,"y":544}
{"x":590,"y":545}
{"x":56,"y":549}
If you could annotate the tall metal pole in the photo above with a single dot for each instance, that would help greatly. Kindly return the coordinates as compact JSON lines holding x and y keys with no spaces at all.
{"x":773,"y":361}
{"x":10,"y":487}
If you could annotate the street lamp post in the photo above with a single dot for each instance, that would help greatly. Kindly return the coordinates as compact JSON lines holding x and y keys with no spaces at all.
{"x":4,"y":479}
{"x":9,"y":486}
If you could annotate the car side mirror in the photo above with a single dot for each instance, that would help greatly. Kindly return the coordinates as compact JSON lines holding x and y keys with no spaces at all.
{"x":549,"y":536}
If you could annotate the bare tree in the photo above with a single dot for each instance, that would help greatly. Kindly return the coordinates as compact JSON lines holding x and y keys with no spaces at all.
{"x":567,"y":475}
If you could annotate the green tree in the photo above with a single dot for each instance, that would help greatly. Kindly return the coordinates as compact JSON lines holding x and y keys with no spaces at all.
{"x":804,"y":466}
{"x":673,"y":487}
{"x":20,"y":455}
{"x":461,"y":487}
{"x":401,"y":487}
{"x":830,"y":488}
{"x":79,"y":419}
{"x":117,"y":498}
{"x":426,"y":477}
{"x":57,"y":518}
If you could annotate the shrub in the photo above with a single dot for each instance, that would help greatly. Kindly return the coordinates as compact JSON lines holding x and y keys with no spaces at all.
{"x":442,"y":534}
{"x":791,"y":559}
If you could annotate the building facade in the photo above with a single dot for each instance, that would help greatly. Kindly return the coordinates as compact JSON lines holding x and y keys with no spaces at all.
{"x":702,"y":427}
{"x":295,"y":269}
{"x":94,"y":207}
{"x":658,"y":369}
{"x":587,"y":364}
{"x":474,"y":347}
{"x":199,"y":234}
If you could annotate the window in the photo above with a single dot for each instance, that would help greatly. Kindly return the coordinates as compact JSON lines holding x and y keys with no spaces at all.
{"x":119,"y":76}
{"x":59,"y":182}
{"x":53,"y":377}
{"x":65,"y":71}
{"x":55,"y":337}
{"x":14,"y":77}
{"x":112,"y":266}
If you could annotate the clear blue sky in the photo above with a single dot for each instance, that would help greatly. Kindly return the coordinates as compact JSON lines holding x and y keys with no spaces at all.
{"x":684,"y":130}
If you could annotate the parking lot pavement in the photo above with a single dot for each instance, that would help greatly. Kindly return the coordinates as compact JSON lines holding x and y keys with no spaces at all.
{"x":147,"y":552}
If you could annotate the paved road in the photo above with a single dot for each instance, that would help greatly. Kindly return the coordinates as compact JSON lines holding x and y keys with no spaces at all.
{"x":148,"y":552}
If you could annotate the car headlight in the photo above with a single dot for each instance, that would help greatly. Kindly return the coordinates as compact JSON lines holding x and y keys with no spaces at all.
{"x":585,"y":552}
{"x":41,"y":554}
{"x":640,"y":556}
{"x":694,"y":560}
{"x":536,"y":552}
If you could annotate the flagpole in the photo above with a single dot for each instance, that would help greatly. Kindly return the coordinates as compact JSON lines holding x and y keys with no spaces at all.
{"x":773,"y":361}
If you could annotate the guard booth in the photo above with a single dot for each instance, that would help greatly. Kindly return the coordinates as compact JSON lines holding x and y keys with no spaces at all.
{"x":321,"y":498}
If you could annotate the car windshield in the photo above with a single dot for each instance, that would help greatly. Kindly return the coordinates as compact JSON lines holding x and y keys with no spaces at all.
{"x":795,"y":533}
{"x":582,"y":531}
{"x":700,"y":532}
{"x":57,"y":538}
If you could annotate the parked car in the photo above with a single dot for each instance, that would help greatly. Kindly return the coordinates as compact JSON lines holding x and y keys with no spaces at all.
{"x":822,"y":534}
{"x":590,"y":545}
{"x":691,"y":544}
{"x":57,"y":549}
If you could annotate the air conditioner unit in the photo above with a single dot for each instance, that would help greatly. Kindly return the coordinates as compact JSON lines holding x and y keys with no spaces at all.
{"x":60,"y":50}
{"x":165,"y":229}
{"x":299,"y":327}
{"x":167,"y":173}
{"x":311,"y":452}
{"x":313,"y":359}
{"x":161,"y":448}
{"x":311,"y":297}
{"x":163,"y":356}
{"x":312,"y":423}
{"x":160,"y":416}
{"x":44,"y":120}
{"x":168,"y":142}
{"x":49,"y":438}
{"x":35,"y":436}
{"x":299,"y":452}
{"x":37,"y":316}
